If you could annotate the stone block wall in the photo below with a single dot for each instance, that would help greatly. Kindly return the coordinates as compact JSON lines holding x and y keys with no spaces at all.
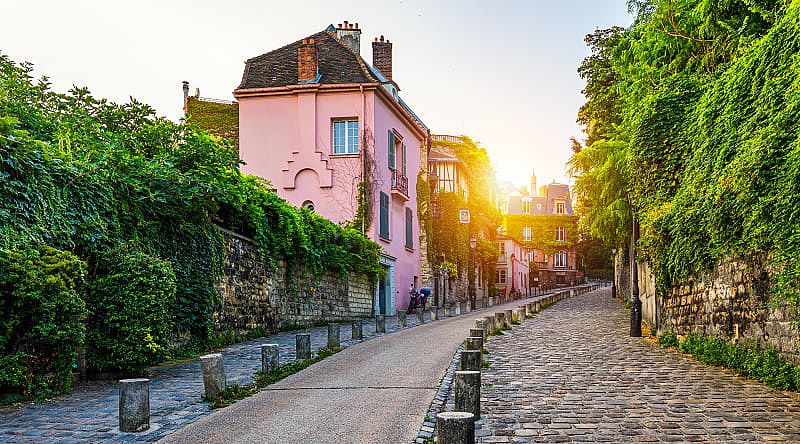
{"x":731,"y":301}
{"x":254,"y":295}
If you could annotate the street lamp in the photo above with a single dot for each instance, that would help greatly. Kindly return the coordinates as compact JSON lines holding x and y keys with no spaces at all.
{"x":636,"y":303}
{"x":472,"y":244}
{"x":614,"y":275}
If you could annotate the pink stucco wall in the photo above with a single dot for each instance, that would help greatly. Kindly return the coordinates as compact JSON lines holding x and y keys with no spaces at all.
{"x":287,"y":139}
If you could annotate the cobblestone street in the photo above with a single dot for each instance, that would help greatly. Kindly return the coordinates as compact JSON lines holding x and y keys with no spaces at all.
{"x":90,"y":414}
{"x":572,"y":374}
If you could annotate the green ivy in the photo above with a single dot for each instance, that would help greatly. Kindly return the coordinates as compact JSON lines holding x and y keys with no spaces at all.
{"x":543,"y":230}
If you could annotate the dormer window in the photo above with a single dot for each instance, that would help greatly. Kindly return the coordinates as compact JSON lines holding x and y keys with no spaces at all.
{"x":526,"y":207}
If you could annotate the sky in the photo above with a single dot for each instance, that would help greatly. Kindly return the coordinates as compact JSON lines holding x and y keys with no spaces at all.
{"x":501,"y":72}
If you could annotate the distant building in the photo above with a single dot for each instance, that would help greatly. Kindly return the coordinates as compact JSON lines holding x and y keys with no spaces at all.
{"x":512,"y":274}
{"x":545,"y":223}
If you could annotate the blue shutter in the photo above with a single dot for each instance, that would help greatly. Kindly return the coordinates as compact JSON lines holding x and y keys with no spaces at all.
{"x":384,"y":223}
{"x":409,"y":229}
{"x":391,"y":150}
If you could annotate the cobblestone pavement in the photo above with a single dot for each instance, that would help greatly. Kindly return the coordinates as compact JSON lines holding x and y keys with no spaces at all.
{"x":572,"y":374}
{"x":89,"y":415}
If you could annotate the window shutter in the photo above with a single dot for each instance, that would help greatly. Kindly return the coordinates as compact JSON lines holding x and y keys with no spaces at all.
{"x":384,"y":224}
{"x":392,"y":148}
{"x":409,"y":229}
{"x":404,"y":160}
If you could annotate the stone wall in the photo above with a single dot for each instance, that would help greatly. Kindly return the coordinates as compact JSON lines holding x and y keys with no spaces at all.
{"x":731,"y":301}
{"x":253,"y":295}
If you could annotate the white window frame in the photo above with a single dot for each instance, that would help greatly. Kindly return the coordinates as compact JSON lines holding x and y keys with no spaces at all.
{"x":561,"y":234}
{"x":560,"y":259}
{"x":561,"y":207}
{"x":501,"y":248}
{"x":351,"y":144}
{"x":527,"y":233}
{"x":501,"y":277}
{"x":526,"y":207}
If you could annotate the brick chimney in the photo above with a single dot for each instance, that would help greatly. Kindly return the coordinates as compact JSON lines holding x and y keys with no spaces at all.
{"x":382,"y":56}
{"x":307,"y":67}
{"x":350,"y":35}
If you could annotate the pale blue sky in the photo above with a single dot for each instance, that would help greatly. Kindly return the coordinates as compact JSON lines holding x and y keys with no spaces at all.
{"x":502,"y":72}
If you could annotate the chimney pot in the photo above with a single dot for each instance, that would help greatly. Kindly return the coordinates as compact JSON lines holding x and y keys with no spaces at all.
{"x":356,"y":25}
{"x":345,"y":24}
{"x":339,"y":26}
{"x":311,"y":41}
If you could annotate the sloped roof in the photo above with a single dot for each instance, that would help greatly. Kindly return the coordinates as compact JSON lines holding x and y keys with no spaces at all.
{"x":338,"y":64}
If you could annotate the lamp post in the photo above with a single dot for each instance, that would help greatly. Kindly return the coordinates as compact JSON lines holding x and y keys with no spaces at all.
{"x":636,"y":303}
{"x":614,"y":275}
{"x":472,"y":244}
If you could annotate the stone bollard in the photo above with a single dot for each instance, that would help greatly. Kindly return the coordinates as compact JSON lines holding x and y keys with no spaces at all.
{"x":468,"y":393}
{"x":358,"y":330}
{"x":134,"y":405}
{"x":508,"y":317}
{"x":468,"y":307}
{"x":458,"y":308}
{"x":214,"y":379}
{"x":491,"y":301}
{"x":447,"y":311}
{"x":270,"y":357}
{"x":571,"y":293}
{"x":420,"y":317}
{"x":529,"y":310}
{"x":334,"y":336}
{"x":488,"y":325}
{"x":471,"y":360}
{"x":499,"y":323}
{"x":455,"y":428}
{"x":402,"y":318}
{"x":435,"y":314}
{"x":302,"y":349}
{"x":475,"y":340}
{"x":380,"y":324}
{"x":481,"y":328}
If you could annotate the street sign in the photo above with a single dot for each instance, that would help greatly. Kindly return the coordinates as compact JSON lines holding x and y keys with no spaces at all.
{"x":463,"y":216}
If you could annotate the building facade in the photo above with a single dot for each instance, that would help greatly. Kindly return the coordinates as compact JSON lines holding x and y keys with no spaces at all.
{"x":544,"y":221}
{"x":331,"y":134}
{"x":512,"y":275}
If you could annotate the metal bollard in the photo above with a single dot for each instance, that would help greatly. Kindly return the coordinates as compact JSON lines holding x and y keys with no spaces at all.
{"x":334,"y":336}
{"x":358,"y":330}
{"x":471,"y":360}
{"x":214,"y":380}
{"x":402,"y":318}
{"x":134,"y":405}
{"x":455,"y":428}
{"x":468,"y":393}
{"x":302,"y":343}
{"x":380,"y":324}
{"x":270,"y":357}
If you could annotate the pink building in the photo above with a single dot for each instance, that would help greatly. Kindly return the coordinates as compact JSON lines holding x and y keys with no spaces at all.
{"x":512,"y":272}
{"x":317,"y":120}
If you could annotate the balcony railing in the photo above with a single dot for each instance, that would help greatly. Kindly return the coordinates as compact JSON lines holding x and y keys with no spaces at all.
{"x":399,"y":184}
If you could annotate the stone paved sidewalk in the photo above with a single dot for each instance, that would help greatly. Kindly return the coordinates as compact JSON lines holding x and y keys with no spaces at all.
{"x":89,"y":415}
{"x":572,"y":374}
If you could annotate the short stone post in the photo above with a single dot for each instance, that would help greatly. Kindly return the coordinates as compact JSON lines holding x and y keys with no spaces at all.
{"x":270,"y":357}
{"x":358,"y":330}
{"x":134,"y":405}
{"x":481,"y":326}
{"x":302,"y":346}
{"x":455,"y":428}
{"x":471,"y":360}
{"x":499,"y":323}
{"x":529,"y":310}
{"x":402,"y":318}
{"x":491,"y":301}
{"x":571,"y":293}
{"x":458,"y":309}
{"x":488,"y":325}
{"x":434,"y":314}
{"x":380,"y":324}
{"x":420,"y":317}
{"x":468,"y":393}
{"x":214,"y":379}
{"x":508,"y":317}
{"x":447,"y":311}
{"x":475,"y":339}
{"x":334,"y":336}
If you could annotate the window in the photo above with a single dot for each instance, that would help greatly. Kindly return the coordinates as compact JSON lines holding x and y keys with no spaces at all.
{"x":384,"y":222}
{"x":502,"y":248}
{"x":409,"y":229}
{"x":526,"y":207}
{"x":560,"y":259}
{"x":527,"y":234}
{"x":561,"y":234}
{"x":308,"y":205}
{"x":531,"y":256}
{"x":500,"y":276}
{"x":560,"y":208}
{"x":345,"y":136}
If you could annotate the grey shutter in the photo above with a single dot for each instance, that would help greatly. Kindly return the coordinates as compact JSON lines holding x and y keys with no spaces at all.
{"x":384,"y":224}
{"x":409,"y":229}
{"x":392,"y":149}
{"x":404,"y":160}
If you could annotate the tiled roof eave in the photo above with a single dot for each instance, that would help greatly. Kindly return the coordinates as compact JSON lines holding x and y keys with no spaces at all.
{"x":301,"y":87}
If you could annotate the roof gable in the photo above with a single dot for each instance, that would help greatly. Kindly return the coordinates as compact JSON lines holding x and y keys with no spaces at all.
{"x":338,"y":64}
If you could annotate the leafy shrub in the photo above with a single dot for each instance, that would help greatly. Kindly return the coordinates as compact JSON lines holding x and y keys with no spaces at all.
{"x":41,"y":319}
{"x":668,"y":339}
{"x":130,"y":297}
